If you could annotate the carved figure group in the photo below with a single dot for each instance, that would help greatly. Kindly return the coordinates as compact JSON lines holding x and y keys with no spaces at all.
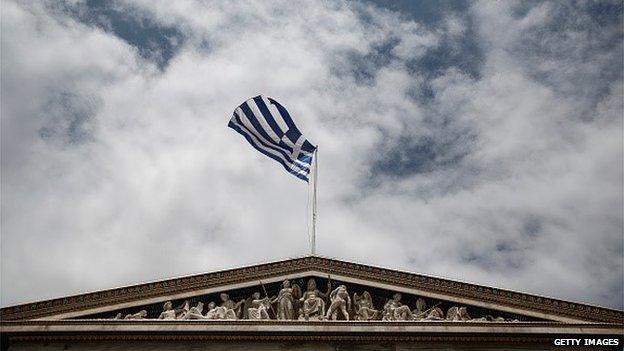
{"x":313,"y":304}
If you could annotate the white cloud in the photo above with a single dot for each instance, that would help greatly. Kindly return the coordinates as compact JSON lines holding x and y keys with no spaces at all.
{"x":525,"y":191}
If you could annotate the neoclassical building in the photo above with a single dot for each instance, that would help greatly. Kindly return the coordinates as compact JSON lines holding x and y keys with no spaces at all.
{"x":309,"y":303}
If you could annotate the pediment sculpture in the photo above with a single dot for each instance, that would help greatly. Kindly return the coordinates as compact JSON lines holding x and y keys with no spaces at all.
{"x":315,"y":305}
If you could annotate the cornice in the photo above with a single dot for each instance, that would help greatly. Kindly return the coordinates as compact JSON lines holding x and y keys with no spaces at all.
{"x":139,"y":292}
{"x":463,"y":340}
{"x":250,"y":330}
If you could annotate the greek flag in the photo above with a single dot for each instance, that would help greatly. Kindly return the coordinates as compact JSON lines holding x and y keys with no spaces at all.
{"x":267,"y":126}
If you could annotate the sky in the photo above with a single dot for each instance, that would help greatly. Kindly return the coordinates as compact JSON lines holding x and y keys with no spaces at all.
{"x":479,"y":141}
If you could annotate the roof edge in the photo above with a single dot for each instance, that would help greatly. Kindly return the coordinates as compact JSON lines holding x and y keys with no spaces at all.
{"x":389,"y":276}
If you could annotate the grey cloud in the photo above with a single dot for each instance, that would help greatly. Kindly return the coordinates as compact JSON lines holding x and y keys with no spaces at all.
{"x":69,"y":118}
{"x":119,"y":168}
{"x":154,"y":42}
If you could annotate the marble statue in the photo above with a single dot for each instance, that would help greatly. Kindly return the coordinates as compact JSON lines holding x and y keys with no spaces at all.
{"x":259,"y":309}
{"x":421,"y":309}
{"x":394,"y":310}
{"x":364,"y":309}
{"x":435,"y":314}
{"x":168,"y":311}
{"x":285,"y":301}
{"x":340,"y":301}
{"x":211,"y":312}
{"x":193,"y":312}
{"x":457,"y":314}
{"x":139,"y":315}
{"x":463,"y":314}
{"x":313,"y":304}
{"x":219,"y":312}
{"x":231,"y":305}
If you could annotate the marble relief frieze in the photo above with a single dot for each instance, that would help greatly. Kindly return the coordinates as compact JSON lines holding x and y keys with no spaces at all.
{"x":312,"y":299}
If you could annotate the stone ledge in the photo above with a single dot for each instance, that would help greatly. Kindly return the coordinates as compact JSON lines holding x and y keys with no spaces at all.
{"x":302,"y":327}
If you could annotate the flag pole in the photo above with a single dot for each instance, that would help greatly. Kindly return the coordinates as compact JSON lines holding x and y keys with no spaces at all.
{"x":313,"y":207}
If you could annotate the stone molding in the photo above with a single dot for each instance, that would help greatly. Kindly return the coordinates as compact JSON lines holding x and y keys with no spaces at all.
{"x":330,"y":266}
{"x":492,"y":340}
{"x":288,"y":331}
{"x":246,"y":325}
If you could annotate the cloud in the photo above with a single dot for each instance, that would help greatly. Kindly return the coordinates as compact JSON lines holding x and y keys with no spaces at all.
{"x":484,"y":146}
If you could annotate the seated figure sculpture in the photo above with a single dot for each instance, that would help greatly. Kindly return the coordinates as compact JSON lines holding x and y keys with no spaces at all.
{"x":364,"y":309}
{"x":421,"y":309}
{"x":219,"y":312}
{"x":193,"y":312}
{"x":231,"y":305}
{"x":313,"y":305}
{"x":259,"y":309}
{"x":394,"y":310}
{"x":452,"y":314}
{"x":457,"y":314}
{"x":340,"y":301}
{"x":168,"y":311}
{"x":463,"y":314}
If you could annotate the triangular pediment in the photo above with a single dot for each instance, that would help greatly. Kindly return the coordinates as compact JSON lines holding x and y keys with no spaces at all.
{"x":426,"y":298}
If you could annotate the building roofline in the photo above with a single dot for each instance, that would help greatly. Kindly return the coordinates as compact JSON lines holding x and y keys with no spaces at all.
{"x":390,"y":276}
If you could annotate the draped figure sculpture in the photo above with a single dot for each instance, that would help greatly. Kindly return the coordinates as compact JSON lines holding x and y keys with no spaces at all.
{"x":313,"y":304}
{"x":219,"y":312}
{"x":364,"y":309}
{"x":340,"y":301}
{"x":259,"y":307}
{"x":194,"y":312}
{"x":457,"y":314}
{"x":168,"y":311}
{"x":286,"y":301}
{"x":421,"y":309}
{"x":227,"y":303}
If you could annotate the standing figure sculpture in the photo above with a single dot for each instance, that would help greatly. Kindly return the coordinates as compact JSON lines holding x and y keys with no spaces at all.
{"x":394,"y":310}
{"x":340,"y":301}
{"x":259,"y":307}
{"x":364,"y":309}
{"x":313,"y":304}
{"x":285,"y":302}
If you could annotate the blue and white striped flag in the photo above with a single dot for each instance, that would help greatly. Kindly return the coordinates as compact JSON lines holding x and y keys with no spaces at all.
{"x":267,"y":126}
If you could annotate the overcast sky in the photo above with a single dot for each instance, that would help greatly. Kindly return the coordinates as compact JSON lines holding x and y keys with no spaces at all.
{"x":479,"y":141}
